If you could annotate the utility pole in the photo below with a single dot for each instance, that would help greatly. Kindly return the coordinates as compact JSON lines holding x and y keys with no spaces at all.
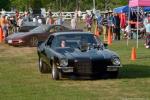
{"x":60,"y":5}
{"x":93,"y":4}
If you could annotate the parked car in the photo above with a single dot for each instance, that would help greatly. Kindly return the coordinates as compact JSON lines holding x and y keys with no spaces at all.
{"x":32,"y":37}
{"x":76,"y":54}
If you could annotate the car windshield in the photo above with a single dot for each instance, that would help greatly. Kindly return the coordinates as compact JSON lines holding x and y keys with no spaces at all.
{"x":30,"y":24}
{"x":40,"y":29}
{"x":74,"y":40}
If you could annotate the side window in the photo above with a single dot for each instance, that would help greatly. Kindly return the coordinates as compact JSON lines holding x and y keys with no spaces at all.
{"x":49,"y":42}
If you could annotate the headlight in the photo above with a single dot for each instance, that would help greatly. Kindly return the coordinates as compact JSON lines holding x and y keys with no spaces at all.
{"x":63,"y":62}
{"x":116,"y":61}
{"x":9,"y":41}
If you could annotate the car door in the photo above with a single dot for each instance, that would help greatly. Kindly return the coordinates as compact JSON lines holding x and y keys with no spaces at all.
{"x":49,"y":51}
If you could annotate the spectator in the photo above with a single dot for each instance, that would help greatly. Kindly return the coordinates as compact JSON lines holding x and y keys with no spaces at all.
{"x":128,"y":33}
{"x":148,"y":34}
{"x":73,"y":22}
{"x":4,"y":25}
{"x":116,"y":23}
{"x":20,"y":22}
{"x":89,"y":20}
{"x":50,"y":20}
{"x":39,"y":20}
{"x":34,"y":20}
{"x":59,"y":21}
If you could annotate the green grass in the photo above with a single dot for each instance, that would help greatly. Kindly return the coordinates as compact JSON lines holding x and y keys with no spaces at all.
{"x":21,"y":80}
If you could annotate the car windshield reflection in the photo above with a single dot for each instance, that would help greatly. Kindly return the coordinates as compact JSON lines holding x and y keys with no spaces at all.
{"x":42,"y":28}
{"x":75,"y":40}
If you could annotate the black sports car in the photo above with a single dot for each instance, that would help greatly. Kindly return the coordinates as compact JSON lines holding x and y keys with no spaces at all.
{"x":76,"y":54}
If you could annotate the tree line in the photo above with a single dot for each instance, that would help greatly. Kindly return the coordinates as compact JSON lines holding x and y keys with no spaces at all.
{"x":56,"y":5}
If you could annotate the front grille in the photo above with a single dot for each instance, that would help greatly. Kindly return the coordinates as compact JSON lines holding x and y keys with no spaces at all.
{"x":88,"y":66}
{"x":84,"y":67}
{"x":99,"y":66}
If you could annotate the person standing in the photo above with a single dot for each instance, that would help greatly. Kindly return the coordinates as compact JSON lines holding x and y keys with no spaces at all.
{"x":4,"y":25}
{"x":50,"y":20}
{"x":73,"y":22}
{"x":59,"y":20}
{"x":89,"y":21}
{"x":147,"y":26}
{"x":116,"y":23}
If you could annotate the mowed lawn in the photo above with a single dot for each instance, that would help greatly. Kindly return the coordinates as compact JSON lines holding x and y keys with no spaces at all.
{"x":21,"y":80}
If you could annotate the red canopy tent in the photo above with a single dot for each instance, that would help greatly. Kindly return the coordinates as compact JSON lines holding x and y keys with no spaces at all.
{"x":138,"y":3}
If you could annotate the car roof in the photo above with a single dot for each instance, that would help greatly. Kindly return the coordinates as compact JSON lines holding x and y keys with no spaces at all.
{"x":63,"y":33}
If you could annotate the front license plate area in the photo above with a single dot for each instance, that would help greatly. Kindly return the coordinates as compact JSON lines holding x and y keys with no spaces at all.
{"x":112,"y":68}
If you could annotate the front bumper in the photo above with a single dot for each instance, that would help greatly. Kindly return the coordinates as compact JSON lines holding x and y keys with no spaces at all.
{"x":15,"y":42}
{"x":90,"y":70}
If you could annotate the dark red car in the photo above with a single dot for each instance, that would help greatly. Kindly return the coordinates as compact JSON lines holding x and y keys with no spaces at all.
{"x":32,"y":37}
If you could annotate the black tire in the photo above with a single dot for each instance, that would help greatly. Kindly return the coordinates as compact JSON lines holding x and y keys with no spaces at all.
{"x":55,"y":72}
{"x":33,"y":41}
{"x":43,"y":68}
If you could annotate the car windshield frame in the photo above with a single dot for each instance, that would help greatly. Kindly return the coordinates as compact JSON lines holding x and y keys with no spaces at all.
{"x":40,"y":29}
{"x":75,"y":40}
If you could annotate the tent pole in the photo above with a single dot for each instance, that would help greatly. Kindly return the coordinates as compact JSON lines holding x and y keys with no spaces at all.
{"x":128,"y":24}
{"x":137,"y":26}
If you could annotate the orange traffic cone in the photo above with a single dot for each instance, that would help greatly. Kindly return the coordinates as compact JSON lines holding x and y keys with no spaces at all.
{"x":133,"y":54}
{"x":109,"y":37}
{"x":1,"y":34}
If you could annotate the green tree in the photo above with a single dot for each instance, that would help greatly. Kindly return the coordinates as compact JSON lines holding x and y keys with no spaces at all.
{"x":54,"y":5}
{"x":5,"y":4}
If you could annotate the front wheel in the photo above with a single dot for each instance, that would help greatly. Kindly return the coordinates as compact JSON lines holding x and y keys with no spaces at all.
{"x":33,"y":41}
{"x":55,"y":72}
{"x":43,"y":68}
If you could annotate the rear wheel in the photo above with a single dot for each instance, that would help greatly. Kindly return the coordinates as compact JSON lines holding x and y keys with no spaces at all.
{"x":55,"y":72}
{"x":43,"y":68}
{"x":33,"y":41}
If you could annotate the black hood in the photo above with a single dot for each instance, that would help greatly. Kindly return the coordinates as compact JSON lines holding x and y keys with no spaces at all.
{"x":71,"y":53}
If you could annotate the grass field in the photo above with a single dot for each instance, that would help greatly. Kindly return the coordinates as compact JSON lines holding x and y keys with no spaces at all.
{"x":21,"y":80}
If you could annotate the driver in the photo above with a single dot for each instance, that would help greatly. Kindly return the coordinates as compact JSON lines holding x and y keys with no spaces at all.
{"x":63,"y":43}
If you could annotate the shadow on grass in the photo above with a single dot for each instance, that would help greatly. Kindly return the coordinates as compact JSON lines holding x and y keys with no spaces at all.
{"x":134,"y":71}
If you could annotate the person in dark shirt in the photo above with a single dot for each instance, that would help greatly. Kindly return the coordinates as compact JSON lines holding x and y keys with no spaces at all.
{"x":116,"y":23}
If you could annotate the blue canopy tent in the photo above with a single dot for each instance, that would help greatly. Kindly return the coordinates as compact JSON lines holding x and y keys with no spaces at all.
{"x":147,"y":9}
{"x":122,"y":9}
{"x":125,"y":9}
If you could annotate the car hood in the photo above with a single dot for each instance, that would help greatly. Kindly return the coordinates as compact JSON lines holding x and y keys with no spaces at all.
{"x":89,"y":54}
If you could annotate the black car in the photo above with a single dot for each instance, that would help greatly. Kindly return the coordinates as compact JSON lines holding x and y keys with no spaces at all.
{"x":76,"y":54}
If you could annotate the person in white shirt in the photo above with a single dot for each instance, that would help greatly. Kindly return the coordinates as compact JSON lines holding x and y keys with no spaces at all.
{"x":73,"y":22}
{"x":39,"y":20}
{"x":34,"y":20}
